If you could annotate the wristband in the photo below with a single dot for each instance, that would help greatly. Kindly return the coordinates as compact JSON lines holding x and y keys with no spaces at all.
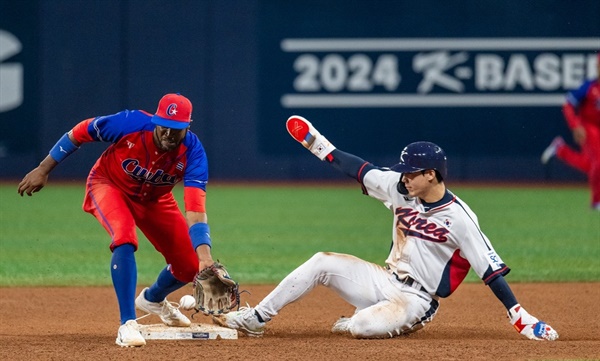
{"x":200,"y":234}
{"x":63,"y":148}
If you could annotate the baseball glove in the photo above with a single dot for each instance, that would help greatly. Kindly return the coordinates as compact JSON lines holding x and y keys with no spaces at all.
{"x":214,"y":291}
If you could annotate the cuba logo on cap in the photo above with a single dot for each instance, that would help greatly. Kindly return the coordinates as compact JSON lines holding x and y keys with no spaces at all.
{"x":171,"y":109}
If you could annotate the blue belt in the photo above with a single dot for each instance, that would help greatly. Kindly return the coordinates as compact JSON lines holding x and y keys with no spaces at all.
{"x":409,"y":281}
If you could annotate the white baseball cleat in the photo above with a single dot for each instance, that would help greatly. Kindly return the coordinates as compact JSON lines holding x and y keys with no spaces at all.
{"x":550,"y":151}
{"x":129,"y":335}
{"x":244,"y":320}
{"x":169,"y":314}
{"x":341,"y":326}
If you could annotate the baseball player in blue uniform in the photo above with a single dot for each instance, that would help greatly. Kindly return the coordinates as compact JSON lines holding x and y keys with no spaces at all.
{"x":436,"y":240}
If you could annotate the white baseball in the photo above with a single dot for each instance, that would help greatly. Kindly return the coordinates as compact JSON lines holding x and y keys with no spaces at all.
{"x":187,"y":302}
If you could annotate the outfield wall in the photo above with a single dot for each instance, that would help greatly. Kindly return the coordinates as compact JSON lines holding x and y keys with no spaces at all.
{"x":483,"y":79}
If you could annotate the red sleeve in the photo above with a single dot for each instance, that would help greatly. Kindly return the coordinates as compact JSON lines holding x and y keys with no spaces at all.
{"x":571,"y":117}
{"x":80,"y":131}
{"x":194,"y":199}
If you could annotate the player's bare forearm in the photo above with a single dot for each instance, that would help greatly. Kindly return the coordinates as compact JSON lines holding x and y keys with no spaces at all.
{"x":195,"y":217}
{"x":579,"y":134}
{"x":35,"y":180}
{"x":204,"y":256}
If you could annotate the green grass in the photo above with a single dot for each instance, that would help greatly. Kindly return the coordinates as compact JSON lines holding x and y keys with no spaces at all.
{"x":263,"y":232}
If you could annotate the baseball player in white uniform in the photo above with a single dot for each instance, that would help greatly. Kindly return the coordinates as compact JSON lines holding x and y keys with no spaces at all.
{"x":436,"y":240}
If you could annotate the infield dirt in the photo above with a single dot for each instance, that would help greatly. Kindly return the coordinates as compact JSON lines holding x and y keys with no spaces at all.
{"x":81,"y":324}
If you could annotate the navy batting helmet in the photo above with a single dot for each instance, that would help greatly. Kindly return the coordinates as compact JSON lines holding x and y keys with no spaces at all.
{"x":419,"y":156}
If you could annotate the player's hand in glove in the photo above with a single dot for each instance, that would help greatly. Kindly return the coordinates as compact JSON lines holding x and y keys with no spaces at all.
{"x":214,"y":291}
{"x":304,"y":132}
{"x":529,"y":326}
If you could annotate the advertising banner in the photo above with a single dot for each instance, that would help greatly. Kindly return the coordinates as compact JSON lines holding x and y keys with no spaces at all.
{"x":375,"y":82}
{"x":19,"y":80}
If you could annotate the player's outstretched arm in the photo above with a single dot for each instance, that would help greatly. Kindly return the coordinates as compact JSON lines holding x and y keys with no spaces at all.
{"x":304,"y":133}
{"x":35,"y":180}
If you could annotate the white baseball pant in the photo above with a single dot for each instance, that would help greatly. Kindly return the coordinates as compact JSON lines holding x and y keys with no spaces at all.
{"x":385,"y":307}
